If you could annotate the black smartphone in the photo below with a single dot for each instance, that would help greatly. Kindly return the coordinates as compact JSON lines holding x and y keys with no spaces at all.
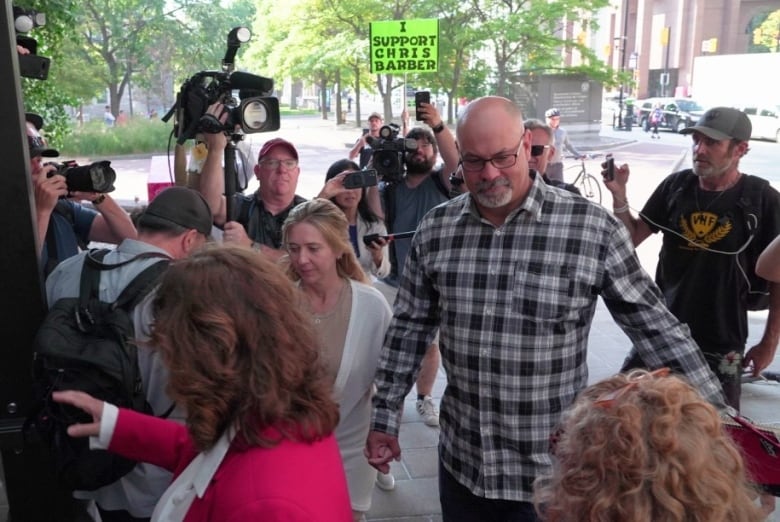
{"x":360,"y":179}
{"x":420,"y":97}
{"x":609,"y":168}
{"x":370,"y":238}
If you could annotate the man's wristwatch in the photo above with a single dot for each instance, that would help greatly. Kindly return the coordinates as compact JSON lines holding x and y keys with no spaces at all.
{"x":98,"y":200}
{"x":437,"y":129}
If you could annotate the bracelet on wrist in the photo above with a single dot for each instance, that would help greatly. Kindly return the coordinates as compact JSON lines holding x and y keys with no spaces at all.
{"x":437,"y":129}
{"x":621,"y":210}
{"x":98,"y":200}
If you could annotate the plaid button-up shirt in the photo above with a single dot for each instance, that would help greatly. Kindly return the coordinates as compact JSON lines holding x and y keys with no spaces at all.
{"x":514,"y":304}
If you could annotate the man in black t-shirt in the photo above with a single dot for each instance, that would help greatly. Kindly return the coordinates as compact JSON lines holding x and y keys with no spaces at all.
{"x":715,"y":222}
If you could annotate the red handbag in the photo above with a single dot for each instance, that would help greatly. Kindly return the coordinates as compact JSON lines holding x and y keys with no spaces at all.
{"x":760,"y":448}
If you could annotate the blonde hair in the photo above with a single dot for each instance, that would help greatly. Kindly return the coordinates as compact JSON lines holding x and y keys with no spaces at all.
{"x":635,"y":447}
{"x":330,"y":221}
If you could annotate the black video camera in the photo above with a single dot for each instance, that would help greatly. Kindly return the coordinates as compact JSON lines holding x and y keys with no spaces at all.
{"x":95,"y":177}
{"x":389,"y":150}
{"x":254,"y":110}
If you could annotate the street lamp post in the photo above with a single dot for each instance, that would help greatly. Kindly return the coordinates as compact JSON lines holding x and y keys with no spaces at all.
{"x":623,"y":44}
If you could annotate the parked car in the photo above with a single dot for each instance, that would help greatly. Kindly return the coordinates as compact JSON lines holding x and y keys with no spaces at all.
{"x":679,"y":113}
{"x":765,"y":120}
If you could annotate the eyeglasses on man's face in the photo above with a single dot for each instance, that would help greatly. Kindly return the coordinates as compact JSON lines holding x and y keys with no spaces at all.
{"x":273,"y":164}
{"x":500,"y":161}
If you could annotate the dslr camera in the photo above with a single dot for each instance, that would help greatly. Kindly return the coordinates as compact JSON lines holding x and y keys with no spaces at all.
{"x":254,"y":110}
{"x":389,"y":150}
{"x":95,"y":177}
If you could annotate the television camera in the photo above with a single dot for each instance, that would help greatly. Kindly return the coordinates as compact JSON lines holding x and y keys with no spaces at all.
{"x":253,"y":111}
{"x":389,"y":151}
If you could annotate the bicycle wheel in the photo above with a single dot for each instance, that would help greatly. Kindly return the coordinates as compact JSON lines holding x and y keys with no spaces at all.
{"x":590,"y":188}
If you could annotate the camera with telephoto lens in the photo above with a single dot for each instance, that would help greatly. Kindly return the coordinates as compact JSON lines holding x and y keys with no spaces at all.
{"x":389,"y":150}
{"x":95,"y":177}
{"x":254,"y":110}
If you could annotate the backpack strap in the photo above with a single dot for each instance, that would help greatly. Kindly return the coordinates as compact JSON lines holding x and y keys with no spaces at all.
{"x":439,"y":183}
{"x":681,"y":181}
{"x":141,"y":285}
{"x":93,"y":265}
{"x":90,"y":277}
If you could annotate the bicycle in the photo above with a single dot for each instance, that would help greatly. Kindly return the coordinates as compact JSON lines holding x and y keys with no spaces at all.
{"x":588,"y":184}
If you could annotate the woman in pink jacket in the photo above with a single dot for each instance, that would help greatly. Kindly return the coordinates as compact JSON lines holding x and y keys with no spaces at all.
{"x":258,"y":442}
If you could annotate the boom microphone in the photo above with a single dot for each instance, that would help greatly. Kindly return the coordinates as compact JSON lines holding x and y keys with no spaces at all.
{"x":252,"y":82}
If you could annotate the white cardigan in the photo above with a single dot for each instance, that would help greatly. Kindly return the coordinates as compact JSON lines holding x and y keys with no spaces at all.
{"x":369,"y":318}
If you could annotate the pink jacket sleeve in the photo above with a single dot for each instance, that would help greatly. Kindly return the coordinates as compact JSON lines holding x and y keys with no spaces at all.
{"x":161,"y":442}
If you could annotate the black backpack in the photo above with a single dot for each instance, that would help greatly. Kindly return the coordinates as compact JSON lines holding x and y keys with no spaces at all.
{"x":86,"y":344}
{"x":750,"y":204}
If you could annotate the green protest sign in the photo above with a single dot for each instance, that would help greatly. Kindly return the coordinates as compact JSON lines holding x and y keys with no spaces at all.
{"x":400,"y":46}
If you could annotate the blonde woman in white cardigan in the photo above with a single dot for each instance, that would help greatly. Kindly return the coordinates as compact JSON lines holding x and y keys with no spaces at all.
{"x":351,"y":318}
{"x":362,"y":221}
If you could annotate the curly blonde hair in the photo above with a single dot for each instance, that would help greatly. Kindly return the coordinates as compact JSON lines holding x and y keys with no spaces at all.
{"x":638,"y":447}
{"x":239,"y":350}
{"x":329,"y":219}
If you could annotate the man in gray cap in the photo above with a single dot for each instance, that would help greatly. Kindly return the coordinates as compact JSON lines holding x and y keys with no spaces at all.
{"x":716,"y":220}
{"x":176,"y":222}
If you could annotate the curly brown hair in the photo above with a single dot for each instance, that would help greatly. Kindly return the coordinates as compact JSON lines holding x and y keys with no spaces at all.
{"x":328,"y":218}
{"x":239,"y":350}
{"x":634,"y":447}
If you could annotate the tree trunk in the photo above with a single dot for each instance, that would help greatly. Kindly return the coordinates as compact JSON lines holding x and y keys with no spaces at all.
{"x":358,"y":122}
{"x":324,"y":97}
{"x":340,"y":119}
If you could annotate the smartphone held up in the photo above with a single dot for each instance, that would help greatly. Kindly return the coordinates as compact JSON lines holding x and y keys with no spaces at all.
{"x":360,"y":179}
{"x":608,"y":168}
{"x":420,"y":97}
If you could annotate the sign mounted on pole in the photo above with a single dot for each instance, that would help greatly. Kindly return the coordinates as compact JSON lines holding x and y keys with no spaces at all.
{"x":402,"y":46}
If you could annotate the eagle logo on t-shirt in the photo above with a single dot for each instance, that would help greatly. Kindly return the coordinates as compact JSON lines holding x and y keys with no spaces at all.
{"x":702,"y":229}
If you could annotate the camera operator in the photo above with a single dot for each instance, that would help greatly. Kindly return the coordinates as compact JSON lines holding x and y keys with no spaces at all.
{"x":259,"y":217}
{"x":65,"y":226}
{"x":403,"y":204}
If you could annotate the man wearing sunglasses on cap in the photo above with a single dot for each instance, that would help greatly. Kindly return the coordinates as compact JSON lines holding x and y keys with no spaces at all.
{"x":65,"y":226}
{"x":542,"y":149}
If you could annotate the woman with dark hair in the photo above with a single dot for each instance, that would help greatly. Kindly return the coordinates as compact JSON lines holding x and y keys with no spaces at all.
{"x":645,"y":446}
{"x":351,"y":318}
{"x":362,"y":221}
{"x":245,"y":366}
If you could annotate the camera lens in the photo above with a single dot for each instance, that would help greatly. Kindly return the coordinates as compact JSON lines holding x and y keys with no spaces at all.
{"x":255,"y":115}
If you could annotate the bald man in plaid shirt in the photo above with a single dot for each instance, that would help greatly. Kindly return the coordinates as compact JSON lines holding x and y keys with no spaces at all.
{"x":511,"y":272}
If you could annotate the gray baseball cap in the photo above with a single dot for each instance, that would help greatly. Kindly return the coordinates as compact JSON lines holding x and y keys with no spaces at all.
{"x":723,"y":123}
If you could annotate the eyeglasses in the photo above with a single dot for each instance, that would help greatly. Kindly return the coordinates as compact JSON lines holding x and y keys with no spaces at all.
{"x":537,"y":150}
{"x":607,"y":400}
{"x":273,"y":164}
{"x":503,"y":161}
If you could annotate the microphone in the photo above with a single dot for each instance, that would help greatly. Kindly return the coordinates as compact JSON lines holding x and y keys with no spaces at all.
{"x":252,"y":82}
